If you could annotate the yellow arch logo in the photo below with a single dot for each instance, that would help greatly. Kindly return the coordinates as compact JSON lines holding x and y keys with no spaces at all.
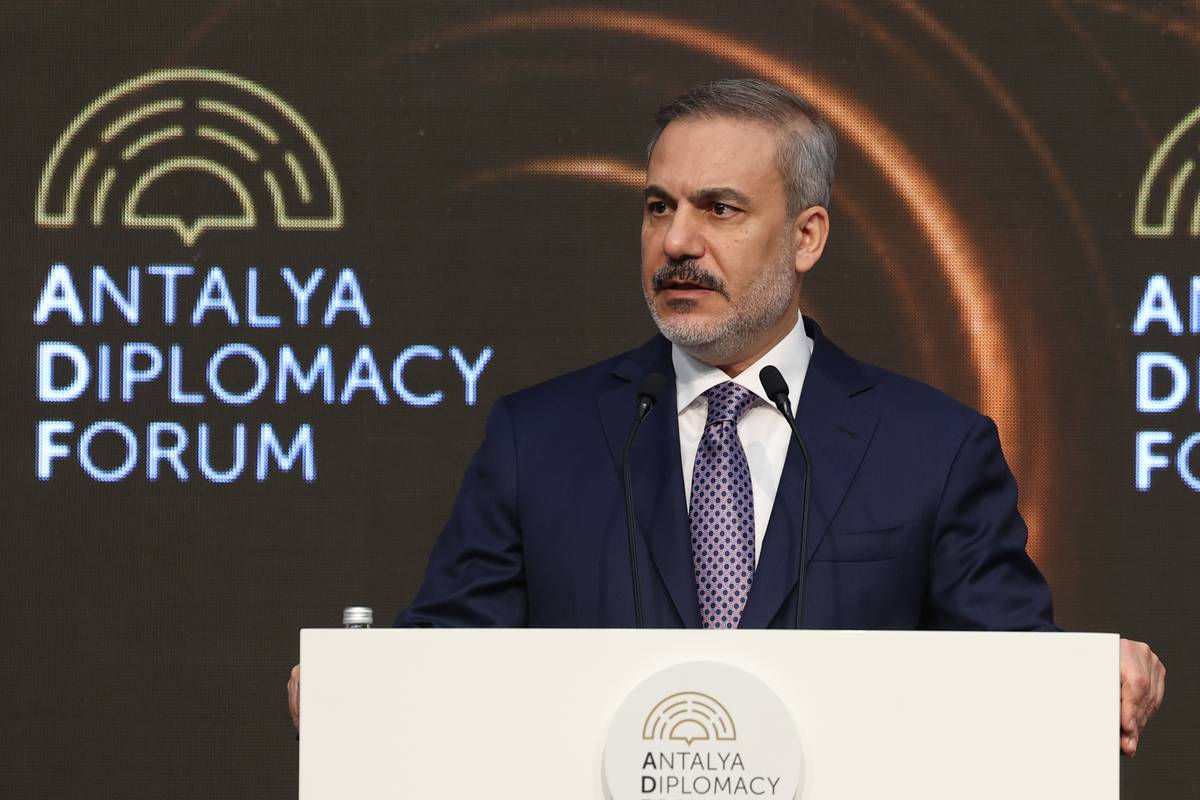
{"x":689,"y":717}
{"x":1164,"y":182}
{"x":149,"y":131}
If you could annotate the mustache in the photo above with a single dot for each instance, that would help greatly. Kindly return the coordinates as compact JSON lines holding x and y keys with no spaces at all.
{"x":687,"y":270}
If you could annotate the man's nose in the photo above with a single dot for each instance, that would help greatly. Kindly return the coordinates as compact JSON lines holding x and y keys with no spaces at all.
{"x":683,"y":239}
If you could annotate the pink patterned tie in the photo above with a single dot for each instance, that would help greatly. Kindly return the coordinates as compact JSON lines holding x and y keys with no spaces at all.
{"x":722,"y":512}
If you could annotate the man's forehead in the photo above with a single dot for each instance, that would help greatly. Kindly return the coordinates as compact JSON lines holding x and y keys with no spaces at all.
{"x":715,"y":151}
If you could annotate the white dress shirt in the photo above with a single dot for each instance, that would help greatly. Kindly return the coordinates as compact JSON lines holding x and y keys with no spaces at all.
{"x":763,"y":430}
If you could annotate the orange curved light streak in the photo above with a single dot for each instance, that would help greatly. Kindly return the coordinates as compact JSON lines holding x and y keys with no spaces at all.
{"x":955,"y":253}
{"x":587,"y":168}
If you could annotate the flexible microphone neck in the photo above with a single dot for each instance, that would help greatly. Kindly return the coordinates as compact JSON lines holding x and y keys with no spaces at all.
{"x":780,"y":397}
{"x":777,"y":389}
{"x":648,"y":394}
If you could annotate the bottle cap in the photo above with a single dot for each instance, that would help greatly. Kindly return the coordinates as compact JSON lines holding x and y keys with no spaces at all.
{"x":357,"y":615}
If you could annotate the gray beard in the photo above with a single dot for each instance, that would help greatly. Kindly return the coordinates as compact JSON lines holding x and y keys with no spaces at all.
{"x":720,"y":342}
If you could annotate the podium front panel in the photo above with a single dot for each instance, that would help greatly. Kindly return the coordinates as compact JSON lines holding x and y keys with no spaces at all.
{"x":526,"y":713}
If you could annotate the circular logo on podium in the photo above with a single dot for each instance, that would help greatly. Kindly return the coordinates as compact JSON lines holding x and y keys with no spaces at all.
{"x":702,"y":729}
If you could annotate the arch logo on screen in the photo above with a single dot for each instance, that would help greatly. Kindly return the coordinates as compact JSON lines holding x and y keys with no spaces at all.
{"x":116,"y":161}
{"x":165,"y":352}
{"x":1160,"y":194}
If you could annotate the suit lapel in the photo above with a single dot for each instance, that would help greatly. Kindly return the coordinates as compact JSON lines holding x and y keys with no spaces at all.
{"x":659,"y":501}
{"x":837,"y":431}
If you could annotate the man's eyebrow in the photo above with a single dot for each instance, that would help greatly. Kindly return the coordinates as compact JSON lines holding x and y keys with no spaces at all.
{"x":654,"y":190}
{"x":719,"y":194}
{"x":702,"y":196}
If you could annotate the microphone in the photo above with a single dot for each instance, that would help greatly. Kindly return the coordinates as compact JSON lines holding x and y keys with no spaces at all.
{"x":648,"y":394}
{"x":777,"y":389}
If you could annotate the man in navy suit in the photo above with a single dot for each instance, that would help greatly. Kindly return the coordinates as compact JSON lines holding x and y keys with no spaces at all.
{"x":913,"y":522}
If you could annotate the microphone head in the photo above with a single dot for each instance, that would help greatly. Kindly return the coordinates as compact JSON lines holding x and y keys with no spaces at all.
{"x":652,"y":387}
{"x":773,"y":383}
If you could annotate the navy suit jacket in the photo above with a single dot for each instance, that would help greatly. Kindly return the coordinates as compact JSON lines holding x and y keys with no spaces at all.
{"x":914,"y":520}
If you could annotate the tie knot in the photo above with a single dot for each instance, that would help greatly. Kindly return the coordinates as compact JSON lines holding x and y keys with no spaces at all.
{"x":727,"y":402}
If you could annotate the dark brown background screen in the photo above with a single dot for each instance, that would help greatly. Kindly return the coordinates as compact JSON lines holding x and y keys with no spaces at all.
{"x":266,"y":266}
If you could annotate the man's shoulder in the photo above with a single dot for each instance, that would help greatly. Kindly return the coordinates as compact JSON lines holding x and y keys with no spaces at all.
{"x":586,"y":383}
{"x":895,"y":388}
{"x":903,"y":398}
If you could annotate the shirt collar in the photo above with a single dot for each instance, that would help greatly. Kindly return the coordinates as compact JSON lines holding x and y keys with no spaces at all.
{"x":791,"y":356}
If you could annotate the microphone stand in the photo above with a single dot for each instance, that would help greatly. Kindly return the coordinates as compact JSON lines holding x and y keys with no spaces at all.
{"x":648,"y":393}
{"x":777,"y":389}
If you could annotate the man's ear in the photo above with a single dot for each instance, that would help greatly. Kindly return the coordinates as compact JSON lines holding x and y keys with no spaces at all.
{"x":810,"y":231}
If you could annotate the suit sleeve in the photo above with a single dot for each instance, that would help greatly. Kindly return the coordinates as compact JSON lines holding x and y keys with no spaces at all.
{"x":476,"y":573}
{"x":981,"y":577}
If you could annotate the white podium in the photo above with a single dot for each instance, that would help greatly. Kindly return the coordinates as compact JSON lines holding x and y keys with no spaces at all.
{"x":541,"y":714}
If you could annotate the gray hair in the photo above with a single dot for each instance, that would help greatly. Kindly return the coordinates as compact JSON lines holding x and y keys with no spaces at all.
{"x":807,"y":147}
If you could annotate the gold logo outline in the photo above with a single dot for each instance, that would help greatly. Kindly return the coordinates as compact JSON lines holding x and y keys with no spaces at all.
{"x":690,"y":710}
{"x":1144,"y":229}
{"x":189,"y":233}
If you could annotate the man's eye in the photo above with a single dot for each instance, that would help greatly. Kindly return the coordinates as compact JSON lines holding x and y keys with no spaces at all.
{"x":722,"y":210}
{"x":656,"y":207}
